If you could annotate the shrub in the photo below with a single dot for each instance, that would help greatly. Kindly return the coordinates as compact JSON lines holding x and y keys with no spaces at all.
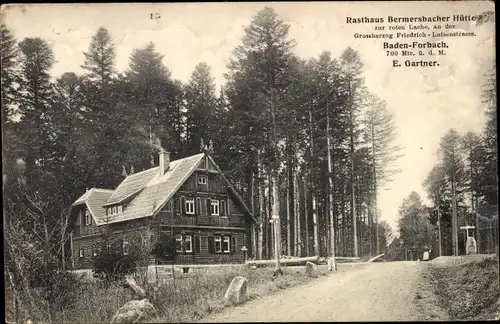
{"x":60,"y":289}
{"x":112,"y":266}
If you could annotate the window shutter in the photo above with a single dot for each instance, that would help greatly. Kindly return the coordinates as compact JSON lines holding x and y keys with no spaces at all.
{"x":233,"y":244}
{"x":209,"y":206}
{"x":227,"y":208}
{"x":198,"y":205}
{"x":222,"y":208}
{"x":211,"y":244}
{"x":197,"y":242}
{"x":183,"y":205}
{"x":178,"y":205}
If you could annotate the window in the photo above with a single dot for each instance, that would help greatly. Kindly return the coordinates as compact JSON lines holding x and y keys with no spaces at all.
{"x":202,"y":179}
{"x":225,"y":244}
{"x":81,"y":252}
{"x":214,"y":207}
{"x":88,"y":220}
{"x":218,"y":244}
{"x":184,"y":243}
{"x":221,"y":244}
{"x":125,"y":248}
{"x":120,"y":209}
{"x":114,"y":210}
{"x":189,"y":204}
{"x":222,"y":208}
{"x":94,"y":250}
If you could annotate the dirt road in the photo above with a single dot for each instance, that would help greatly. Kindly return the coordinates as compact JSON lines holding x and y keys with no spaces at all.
{"x":373,"y":292}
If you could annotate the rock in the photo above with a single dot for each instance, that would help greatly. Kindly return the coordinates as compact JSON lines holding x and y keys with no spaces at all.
{"x":132,"y":284}
{"x":426,"y":256}
{"x":331,"y":265}
{"x":237,"y":291}
{"x":134,"y":311}
{"x":311,"y":269}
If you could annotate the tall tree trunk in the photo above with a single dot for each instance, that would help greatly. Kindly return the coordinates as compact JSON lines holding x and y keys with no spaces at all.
{"x":253,"y":234}
{"x":288,"y":216}
{"x":260,"y":234}
{"x":306,"y":216}
{"x":313,"y":187}
{"x":271,"y":236}
{"x":330,"y":188}
{"x":454,"y":212}
{"x":298,"y":246}
{"x":315,"y":224}
{"x":353,"y":192}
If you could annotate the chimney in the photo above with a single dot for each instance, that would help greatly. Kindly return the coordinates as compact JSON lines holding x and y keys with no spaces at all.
{"x":164,"y":161}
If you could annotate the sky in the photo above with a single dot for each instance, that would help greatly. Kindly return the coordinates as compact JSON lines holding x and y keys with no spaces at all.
{"x":426,"y":102}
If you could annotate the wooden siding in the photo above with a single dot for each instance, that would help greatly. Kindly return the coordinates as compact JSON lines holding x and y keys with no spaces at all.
{"x":215,"y":183}
{"x":80,"y":229}
{"x":204,"y":256}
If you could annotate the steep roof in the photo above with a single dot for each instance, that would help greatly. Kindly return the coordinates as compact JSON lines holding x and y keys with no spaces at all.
{"x":132,"y":185}
{"x":148,"y":192}
{"x":95,"y":198}
{"x":157,"y":191}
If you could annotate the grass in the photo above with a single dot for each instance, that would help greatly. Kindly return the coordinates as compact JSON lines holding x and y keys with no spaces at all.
{"x":468,"y":291}
{"x":186,"y":299}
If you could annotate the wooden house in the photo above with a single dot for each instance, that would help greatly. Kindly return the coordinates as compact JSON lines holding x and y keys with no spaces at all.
{"x":189,"y":199}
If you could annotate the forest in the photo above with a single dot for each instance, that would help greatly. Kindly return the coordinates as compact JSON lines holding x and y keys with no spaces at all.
{"x":464,"y":183}
{"x":307,"y":132}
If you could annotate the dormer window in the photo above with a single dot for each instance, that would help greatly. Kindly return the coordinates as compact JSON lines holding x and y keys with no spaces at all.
{"x":202,"y":179}
{"x":87,"y":218}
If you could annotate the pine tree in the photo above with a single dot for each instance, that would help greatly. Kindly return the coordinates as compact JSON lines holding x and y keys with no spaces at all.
{"x":352,"y":87}
{"x":256,"y":79}
{"x":201,"y":104}
{"x":35,"y":101}
{"x":100,"y":58}
{"x":380,"y":133}
{"x":454,"y":169}
{"x":9,"y":54}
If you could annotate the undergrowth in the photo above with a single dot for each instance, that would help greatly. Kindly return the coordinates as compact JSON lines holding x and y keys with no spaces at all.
{"x":186,"y":299}
{"x":469,"y":291}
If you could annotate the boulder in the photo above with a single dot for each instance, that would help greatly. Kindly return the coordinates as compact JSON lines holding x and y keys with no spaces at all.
{"x":331,"y":265}
{"x":134,"y":311}
{"x":132,"y":284}
{"x":425,"y":257}
{"x":311,"y":269}
{"x":237,"y":291}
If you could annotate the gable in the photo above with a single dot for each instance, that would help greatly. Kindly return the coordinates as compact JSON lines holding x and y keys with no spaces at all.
{"x":94,"y":200}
